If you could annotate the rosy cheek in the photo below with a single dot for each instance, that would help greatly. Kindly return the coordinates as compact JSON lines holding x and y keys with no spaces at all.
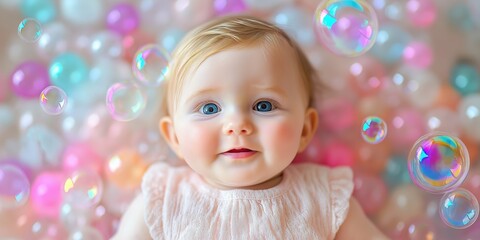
{"x":196,"y":139}
{"x":281,"y":135}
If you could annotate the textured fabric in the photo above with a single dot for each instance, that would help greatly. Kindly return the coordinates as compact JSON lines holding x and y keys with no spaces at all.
{"x":311,"y":202}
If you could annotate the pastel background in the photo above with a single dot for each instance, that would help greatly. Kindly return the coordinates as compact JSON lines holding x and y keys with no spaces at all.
{"x":72,"y":157}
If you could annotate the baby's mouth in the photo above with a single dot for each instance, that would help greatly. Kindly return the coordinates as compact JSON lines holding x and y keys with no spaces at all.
{"x":239,"y":153}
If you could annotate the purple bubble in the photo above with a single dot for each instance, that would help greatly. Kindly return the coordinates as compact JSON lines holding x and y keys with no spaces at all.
{"x":16,"y":163}
{"x":223,"y":7}
{"x":29,"y":79}
{"x":123,"y":19}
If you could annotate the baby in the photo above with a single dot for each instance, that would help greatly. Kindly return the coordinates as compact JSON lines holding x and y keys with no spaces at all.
{"x":239,"y":106}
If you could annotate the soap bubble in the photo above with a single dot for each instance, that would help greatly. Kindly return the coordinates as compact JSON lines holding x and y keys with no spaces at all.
{"x":53,"y":100}
{"x":438,"y":162}
{"x":30,"y":30}
{"x":459,"y":208}
{"x":150,"y":65}
{"x":125,"y":102}
{"x":83,"y":189}
{"x":346,"y":27}
{"x":374,"y":129}
{"x":14,"y":186}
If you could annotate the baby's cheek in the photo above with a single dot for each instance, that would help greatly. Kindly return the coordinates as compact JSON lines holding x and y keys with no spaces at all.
{"x":194,"y":140}
{"x":283,"y":135}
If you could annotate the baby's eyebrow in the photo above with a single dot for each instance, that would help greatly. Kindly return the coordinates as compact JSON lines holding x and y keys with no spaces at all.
{"x":274,"y":89}
{"x":201,"y":92}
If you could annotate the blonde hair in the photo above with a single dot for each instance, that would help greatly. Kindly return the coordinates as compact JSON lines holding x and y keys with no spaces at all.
{"x":222,"y":34}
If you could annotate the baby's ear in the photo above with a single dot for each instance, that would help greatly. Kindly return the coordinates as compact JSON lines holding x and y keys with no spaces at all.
{"x":309,"y":128}
{"x":168,"y":133}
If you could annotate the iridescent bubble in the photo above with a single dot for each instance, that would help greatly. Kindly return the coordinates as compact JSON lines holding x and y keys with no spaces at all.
{"x":438,"y":162}
{"x":53,"y":100}
{"x":14,"y":187}
{"x":459,"y":208}
{"x":30,"y":30}
{"x":150,"y":65}
{"x":83,"y":189}
{"x":125,"y":102}
{"x":346,"y":27}
{"x":374,"y":129}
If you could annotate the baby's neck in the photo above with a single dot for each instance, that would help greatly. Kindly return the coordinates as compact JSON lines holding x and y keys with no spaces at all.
{"x":272,"y":182}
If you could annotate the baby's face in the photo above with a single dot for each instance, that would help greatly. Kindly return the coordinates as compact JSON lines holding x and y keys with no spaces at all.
{"x":240,"y":116}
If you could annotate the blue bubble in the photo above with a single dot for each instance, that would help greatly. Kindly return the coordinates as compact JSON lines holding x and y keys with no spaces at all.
{"x":390,"y":43}
{"x":67,"y":71}
{"x":465,"y":78}
{"x":459,"y":208}
{"x":396,"y":172}
{"x":42,"y":10}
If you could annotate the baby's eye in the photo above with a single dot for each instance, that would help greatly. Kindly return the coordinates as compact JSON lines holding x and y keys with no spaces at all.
{"x":209,"y":108}
{"x":263,"y":106}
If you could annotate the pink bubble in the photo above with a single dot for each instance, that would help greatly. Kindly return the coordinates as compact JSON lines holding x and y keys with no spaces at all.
{"x":421,"y":13}
{"x":366,"y":76}
{"x":46,"y":194}
{"x":123,"y":18}
{"x":371,"y":201}
{"x":81,"y":155}
{"x":418,"y":54}
{"x":29,"y":79}
{"x":337,"y":153}
{"x":223,"y":7}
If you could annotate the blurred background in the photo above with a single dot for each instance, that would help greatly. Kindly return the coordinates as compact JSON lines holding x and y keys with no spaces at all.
{"x":79,"y":114}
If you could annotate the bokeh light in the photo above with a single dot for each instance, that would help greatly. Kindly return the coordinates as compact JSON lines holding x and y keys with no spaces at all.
{"x":53,"y":100}
{"x":459,"y":208}
{"x":438,"y":162}
{"x":346,"y":27}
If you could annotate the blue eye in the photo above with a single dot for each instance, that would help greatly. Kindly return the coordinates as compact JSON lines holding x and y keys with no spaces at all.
{"x":210,"y":108}
{"x":263,"y":106}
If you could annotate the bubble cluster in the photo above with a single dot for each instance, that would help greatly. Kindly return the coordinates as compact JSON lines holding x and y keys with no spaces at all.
{"x":459,"y":208}
{"x":438,"y":162}
{"x":125,"y":102}
{"x":30,"y":30}
{"x":374,"y":129}
{"x":53,"y":100}
{"x":346,"y":27}
{"x":150,"y":65}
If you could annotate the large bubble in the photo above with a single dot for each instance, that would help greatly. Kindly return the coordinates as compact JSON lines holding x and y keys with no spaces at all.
{"x":438,"y":162}
{"x":346,"y":27}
